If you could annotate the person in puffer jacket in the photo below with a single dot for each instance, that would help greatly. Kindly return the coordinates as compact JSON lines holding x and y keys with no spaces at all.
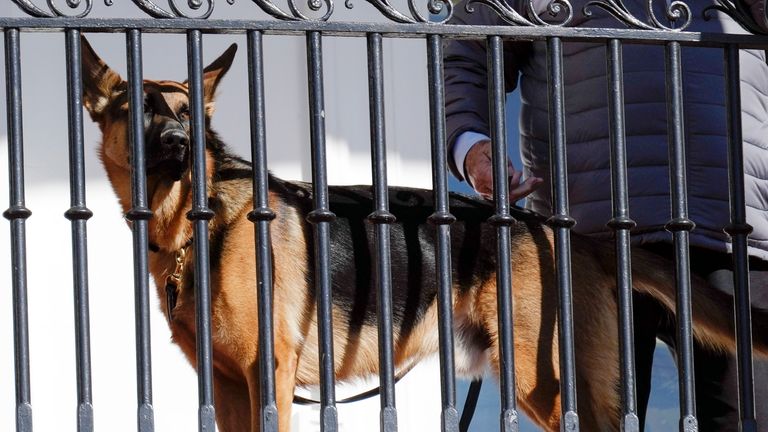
{"x":589,"y":179}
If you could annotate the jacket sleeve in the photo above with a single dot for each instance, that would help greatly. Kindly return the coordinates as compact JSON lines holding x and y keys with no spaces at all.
{"x":466,"y":78}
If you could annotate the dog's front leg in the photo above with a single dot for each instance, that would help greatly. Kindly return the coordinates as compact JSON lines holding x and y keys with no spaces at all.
{"x":232,"y":403}
{"x":286,"y":362}
{"x":254,"y":393}
{"x":285,"y":383}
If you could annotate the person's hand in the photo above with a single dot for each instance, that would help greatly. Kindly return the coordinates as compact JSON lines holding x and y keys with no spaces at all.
{"x":479,"y":170}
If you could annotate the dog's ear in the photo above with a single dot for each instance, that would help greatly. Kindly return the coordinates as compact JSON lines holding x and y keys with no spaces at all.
{"x":99,"y":81}
{"x":214,"y":72}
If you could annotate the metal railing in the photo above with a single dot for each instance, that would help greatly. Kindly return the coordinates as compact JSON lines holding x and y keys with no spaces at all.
{"x":73,"y":19}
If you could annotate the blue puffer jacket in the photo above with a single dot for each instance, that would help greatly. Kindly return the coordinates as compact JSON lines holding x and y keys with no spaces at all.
{"x":587,"y":122}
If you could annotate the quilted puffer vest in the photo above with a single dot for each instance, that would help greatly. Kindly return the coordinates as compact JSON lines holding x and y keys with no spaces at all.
{"x":587,"y":125}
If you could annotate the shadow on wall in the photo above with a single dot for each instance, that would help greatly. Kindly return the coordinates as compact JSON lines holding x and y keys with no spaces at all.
{"x":51,"y":305}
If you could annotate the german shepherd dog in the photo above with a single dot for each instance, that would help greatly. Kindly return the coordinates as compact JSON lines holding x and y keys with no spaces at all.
{"x":473,"y":252}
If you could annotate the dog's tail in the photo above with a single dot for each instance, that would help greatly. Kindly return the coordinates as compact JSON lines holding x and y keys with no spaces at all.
{"x":712,"y":309}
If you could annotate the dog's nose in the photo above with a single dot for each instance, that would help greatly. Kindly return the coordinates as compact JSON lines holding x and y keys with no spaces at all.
{"x":174,"y":138}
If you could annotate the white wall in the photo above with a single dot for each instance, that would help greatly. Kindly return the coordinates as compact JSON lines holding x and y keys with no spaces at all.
{"x":110,"y":280}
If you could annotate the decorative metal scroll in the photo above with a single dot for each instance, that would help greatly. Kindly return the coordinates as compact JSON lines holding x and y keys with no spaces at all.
{"x":443,"y":8}
{"x":202,"y":9}
{"x":81,"y":8}
{"x":678,"y":13}
{"x":55,"y":10}
{"x":742,"y":14}
{"x":555,"y":8}
{"x":296,"y":14}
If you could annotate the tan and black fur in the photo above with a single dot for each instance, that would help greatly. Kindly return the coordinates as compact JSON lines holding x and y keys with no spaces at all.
{"x":473,"y":244}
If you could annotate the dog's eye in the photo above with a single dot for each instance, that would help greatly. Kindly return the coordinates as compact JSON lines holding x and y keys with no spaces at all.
{"x":184,"y":114}
{"x":148,"y":108}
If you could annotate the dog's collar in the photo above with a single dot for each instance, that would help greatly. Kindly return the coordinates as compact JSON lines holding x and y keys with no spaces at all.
{"x":153,"y":247}
{"x":175,"y":280}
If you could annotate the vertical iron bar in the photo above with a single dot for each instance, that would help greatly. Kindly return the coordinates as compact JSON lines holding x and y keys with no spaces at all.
{"x":200,"y":215}
{"x":139,"y":215}
{"x":680,"y":226}
{"x":17,"y":214}
{"x":621,"y":224}
{"x":738,"y":229}
{"x":78,"y":214}
{"x":442,"y":219}
{"x":381,"y":218}
{"x":320,"y":218}
{"x":261,"y":216}
{"x":502,"y":220}
{"x":561,"y":223}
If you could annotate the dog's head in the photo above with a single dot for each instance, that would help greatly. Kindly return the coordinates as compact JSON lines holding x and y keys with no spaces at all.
{"x":166,"y":114}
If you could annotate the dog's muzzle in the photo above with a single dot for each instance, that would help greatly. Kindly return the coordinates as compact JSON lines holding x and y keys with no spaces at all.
{"x":172,"y":157}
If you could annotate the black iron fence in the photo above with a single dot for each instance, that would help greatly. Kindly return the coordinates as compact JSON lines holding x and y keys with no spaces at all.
{"x":313,"y":21}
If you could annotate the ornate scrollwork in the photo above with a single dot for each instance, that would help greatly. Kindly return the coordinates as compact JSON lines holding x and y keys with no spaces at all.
{"x":433,"y":11}
{"x":421,"y":11}
{"x":740,"y":13}
{"x":677,"y":12}
{"x":296,"y":14}
{"x":386,"y":8}
{"x":156,"y":11}
{"x":85,"y":6}
{"x":56,"y":11}
{"x":435,"y":7}
{"x":442,"y":11}
{"x":509,"y":14}
{"x":195,"y":9}
{"x":315,"y":10}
